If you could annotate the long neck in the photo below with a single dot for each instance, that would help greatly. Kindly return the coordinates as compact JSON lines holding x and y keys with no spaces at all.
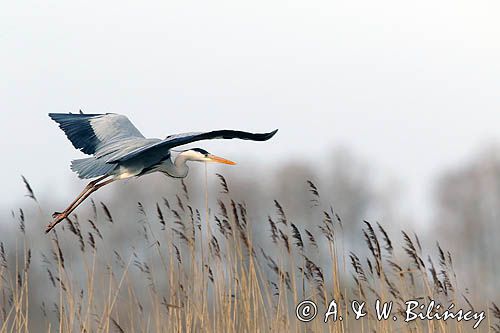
{"x":179,"y":168}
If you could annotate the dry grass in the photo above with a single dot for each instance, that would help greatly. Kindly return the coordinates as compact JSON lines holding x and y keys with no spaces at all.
{"x":184,"y":269}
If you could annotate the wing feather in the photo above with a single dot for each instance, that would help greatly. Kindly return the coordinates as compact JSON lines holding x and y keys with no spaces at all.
{"x":91,"y":132}
{"x":162,"y":147}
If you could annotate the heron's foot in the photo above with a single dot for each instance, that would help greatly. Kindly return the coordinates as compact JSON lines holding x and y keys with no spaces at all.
{"x":56,"y":214}
{"x":58,"y":217}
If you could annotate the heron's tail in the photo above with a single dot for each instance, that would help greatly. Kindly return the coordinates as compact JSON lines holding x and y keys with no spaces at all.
{"x":91,"y":167}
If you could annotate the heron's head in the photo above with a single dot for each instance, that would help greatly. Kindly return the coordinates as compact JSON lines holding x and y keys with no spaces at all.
{"x":201,"y":155}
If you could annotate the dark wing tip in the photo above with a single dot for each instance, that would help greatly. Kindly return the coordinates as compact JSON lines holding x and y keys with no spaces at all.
{"x":267,"y":136}
{"x":76,"y":115}
{"x":254,"y":136}
{"x":60,"y":117}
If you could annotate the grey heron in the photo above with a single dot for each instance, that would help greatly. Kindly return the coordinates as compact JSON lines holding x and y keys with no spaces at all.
{"x":120,"y":151}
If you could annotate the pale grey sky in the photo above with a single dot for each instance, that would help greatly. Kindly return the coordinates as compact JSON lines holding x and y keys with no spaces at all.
{"x":412,"y":86}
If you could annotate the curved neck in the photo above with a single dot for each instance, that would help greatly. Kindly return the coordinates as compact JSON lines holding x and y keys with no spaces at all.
{"x":177,"y":168}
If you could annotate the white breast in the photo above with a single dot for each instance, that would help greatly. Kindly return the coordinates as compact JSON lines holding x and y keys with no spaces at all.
{"x":127,"y":172}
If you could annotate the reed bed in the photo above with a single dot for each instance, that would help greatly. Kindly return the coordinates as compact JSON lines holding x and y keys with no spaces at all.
{"x":180,"y":268}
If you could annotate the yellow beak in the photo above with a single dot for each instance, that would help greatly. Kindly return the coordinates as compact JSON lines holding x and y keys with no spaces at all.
{"x":220,"y":160}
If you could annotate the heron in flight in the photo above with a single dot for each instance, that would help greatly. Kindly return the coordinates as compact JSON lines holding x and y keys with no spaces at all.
{"x":120,"y":151}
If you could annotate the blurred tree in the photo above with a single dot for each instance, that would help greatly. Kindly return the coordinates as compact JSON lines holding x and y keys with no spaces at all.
{"x":353,"y":193}
{"x":346,"y":183}
{"x":468,"y":218}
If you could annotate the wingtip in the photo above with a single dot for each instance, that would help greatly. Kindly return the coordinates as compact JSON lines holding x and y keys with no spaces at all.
{"x":271,"y":134}
{"x":57,"y":116}
{"x":54,"y":116}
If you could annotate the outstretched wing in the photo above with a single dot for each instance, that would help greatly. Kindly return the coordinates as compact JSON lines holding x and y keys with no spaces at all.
{"x":90,"y":132}
{"x":162,"y":147}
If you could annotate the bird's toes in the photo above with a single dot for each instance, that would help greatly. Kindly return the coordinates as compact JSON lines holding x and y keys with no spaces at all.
{"x":56,"y":214}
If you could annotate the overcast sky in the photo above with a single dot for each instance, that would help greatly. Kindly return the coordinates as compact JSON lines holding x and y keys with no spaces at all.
{"x":411,"y":86}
